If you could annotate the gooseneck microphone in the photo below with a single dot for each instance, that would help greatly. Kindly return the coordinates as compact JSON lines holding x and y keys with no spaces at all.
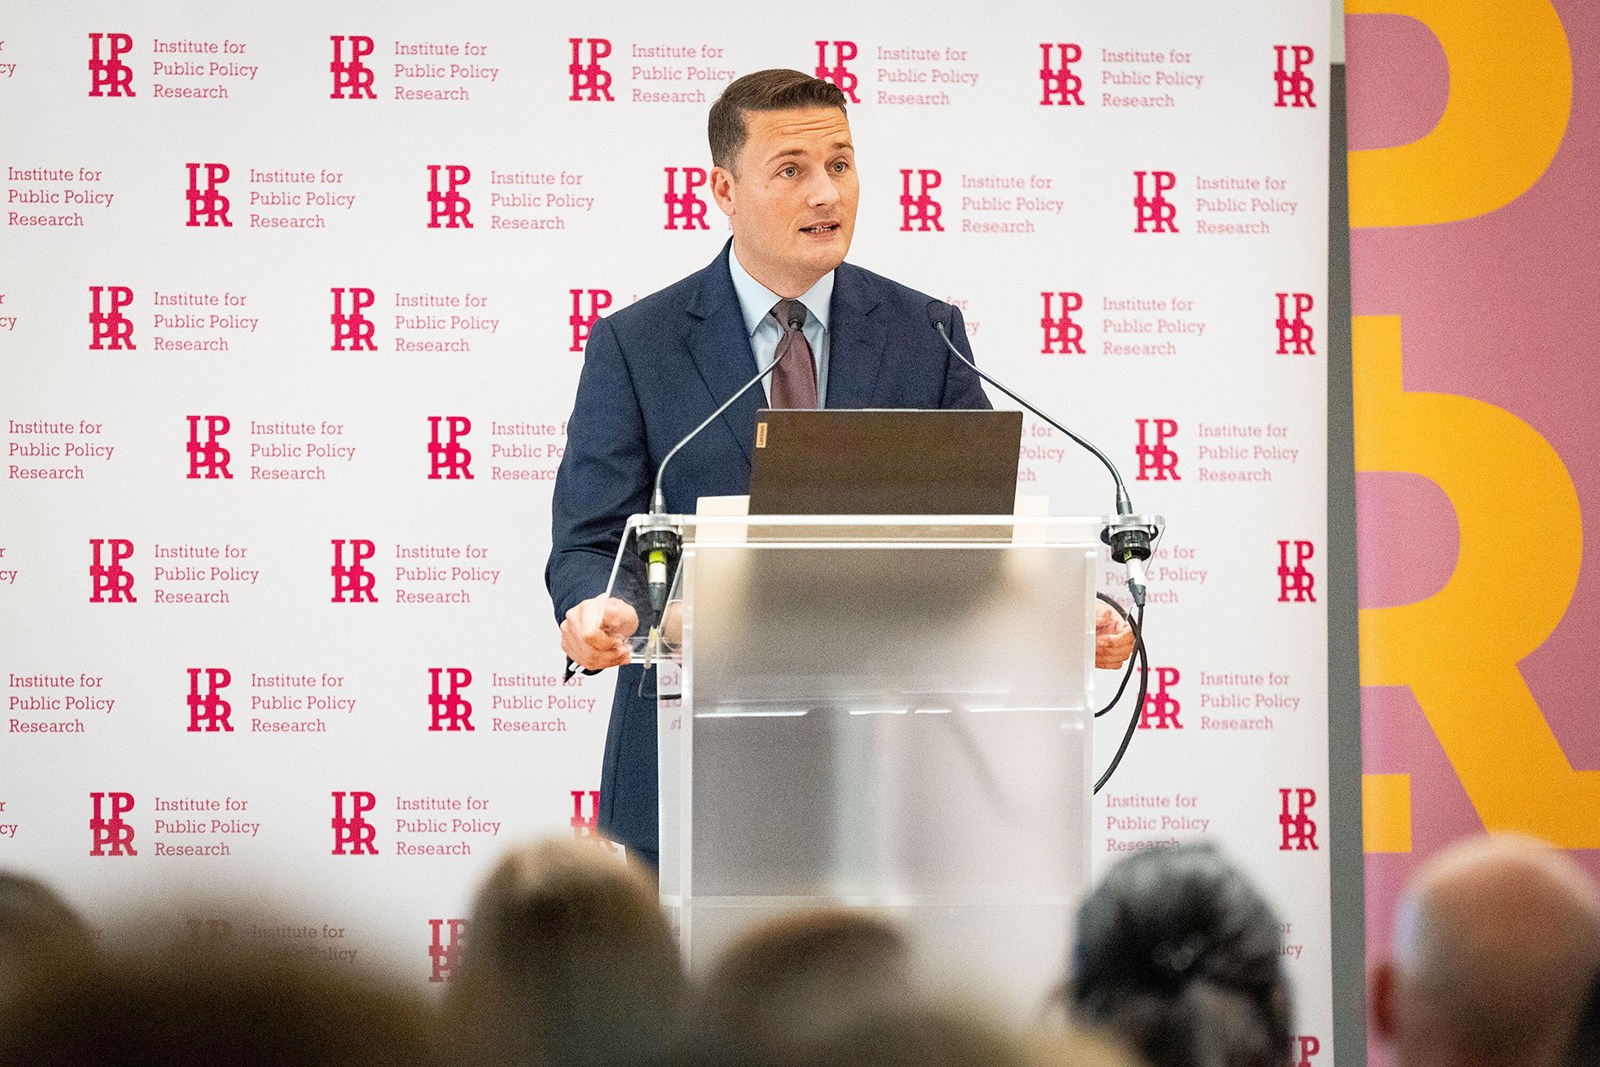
{"x":1128,"y":534}
{"x":660,"y":543}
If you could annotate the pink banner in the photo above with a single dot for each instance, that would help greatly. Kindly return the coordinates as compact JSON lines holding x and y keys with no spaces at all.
{"x":1473,"y":145}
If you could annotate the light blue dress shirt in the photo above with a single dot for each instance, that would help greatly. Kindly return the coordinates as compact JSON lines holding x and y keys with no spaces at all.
{"x":756,"y":301}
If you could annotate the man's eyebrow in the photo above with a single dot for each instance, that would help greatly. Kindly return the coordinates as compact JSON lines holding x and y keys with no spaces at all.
{"x":801,"y":151}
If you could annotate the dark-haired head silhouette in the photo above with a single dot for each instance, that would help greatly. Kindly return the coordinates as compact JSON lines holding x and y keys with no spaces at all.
{"x":1179,"y":956}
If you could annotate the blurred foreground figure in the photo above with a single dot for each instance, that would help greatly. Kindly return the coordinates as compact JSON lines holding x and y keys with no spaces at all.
{"x":1496,"y":943}
{"x":797,"y":982}
{"x":836,"y":987}
{"x":1585,"y":1048}
{"x":193,"y":1007}
{"x":1179,"y":956}
{"x":568,"y":962}
{"x":935,"y":1036}
{"x":38,"y":932}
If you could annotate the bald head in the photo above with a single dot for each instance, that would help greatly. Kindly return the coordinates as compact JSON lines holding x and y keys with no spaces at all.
{"x":1495,"y":943}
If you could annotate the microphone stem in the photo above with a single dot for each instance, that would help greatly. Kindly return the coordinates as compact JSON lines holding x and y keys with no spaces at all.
{"x":1124,"y":502}
{"x":658,"y":500}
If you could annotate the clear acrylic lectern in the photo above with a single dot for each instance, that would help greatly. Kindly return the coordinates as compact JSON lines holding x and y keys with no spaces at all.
{"x":891,"y":712}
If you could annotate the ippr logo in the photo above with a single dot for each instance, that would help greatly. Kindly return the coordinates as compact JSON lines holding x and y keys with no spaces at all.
{"x":1295,"y":578}
{"x":352,"y":577}
{"x":351,"y":328}
{"x":1061,"y":86}
{"x":1160,"y":711}
{"x":590,"y":77}
{"x":108,"y":326}
{"x":1153,"y":212}
{"x":1309,"y":1047}
{"x":1294,"y":333}
{"x":920,"y":207}
{"x":208,"y":711}
{"x":108,"y":74}
{"x":207,"y":207}
{"x":685,"y":207}
{"x":447,"y":939}
{"x":112,"y":836}
{"x":449,"y":209}
{"x":1299,"y":831}
{"x":109,"y":581}
{"x":1061,"y":333}
{"x":450,"y":460}
{"x":452,"y":712}
{"x":838,"y":74}
{"x":587,"y":827}
{"x":352,"y":79}
{"x":353,"y":830}
{"x":582,"y":321}
{"x":208,"y":458}
{"x":1157,"y":462}
{"x":1294,"y":84}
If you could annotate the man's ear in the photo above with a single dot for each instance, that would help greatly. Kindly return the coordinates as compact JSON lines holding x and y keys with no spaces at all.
{"x":722,"y":189}
{"x":1381,"y":1002}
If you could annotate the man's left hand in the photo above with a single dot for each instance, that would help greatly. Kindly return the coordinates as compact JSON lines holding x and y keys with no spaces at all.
{"x":1113,"y":638}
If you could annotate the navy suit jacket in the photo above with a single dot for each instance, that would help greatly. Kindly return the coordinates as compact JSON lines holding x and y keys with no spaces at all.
{"x":652,"y":372}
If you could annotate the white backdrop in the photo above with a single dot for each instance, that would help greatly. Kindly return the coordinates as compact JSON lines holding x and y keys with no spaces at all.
{"x":1205,"y":330}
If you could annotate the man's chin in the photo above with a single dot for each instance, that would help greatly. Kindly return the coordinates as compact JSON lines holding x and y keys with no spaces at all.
{"x":824,"y":257}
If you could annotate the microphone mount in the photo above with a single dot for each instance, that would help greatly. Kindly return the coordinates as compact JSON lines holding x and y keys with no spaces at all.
{"x":660,"y":541}
{"x":1132,"y":538}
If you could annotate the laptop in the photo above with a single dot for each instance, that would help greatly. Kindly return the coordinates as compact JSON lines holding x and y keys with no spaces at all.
{"x":885,"y":462}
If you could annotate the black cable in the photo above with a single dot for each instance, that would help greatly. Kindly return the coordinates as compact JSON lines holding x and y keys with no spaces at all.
{"x":1132,"y":662}
{"x":1144,"y":685}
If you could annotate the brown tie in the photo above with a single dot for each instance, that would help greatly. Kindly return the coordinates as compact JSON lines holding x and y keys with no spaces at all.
{"x":794,"y":380}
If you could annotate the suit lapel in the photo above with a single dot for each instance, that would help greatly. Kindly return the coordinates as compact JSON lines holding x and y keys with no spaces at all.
{"x":720,"y":349}
{"x":855,"y":340}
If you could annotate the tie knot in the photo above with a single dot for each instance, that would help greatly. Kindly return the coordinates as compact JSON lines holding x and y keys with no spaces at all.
{"x":790,"y":314}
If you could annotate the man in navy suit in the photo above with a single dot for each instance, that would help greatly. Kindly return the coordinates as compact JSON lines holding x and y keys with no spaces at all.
{"x":784,"y":174}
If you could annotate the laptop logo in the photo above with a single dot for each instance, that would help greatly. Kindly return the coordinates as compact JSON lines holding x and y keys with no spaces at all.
{"x":761,"y":435}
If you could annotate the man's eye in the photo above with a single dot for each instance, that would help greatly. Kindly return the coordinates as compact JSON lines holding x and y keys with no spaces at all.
{"x":788,"y":172}
{"x":838,"y":167}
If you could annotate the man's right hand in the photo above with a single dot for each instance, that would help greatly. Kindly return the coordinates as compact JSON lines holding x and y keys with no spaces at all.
{"x":596,"y":631}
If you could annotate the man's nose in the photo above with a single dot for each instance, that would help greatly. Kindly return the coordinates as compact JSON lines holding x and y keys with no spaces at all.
{"x":823,"y":191}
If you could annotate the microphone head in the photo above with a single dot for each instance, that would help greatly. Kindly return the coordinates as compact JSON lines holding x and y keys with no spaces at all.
{"x":936,"y":313}
{"x":797,"y":320}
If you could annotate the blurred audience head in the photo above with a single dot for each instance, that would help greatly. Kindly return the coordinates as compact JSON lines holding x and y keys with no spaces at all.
{"x":946,"y":1035}
{"x":1178,"y":956}
{"x":568,"y":960}
{"x":1496,"y":943}
{"x":199,"y":1007}
{"x":38,"y":933}
{"x":1584,"y":1048}
{"x":788,"y":988}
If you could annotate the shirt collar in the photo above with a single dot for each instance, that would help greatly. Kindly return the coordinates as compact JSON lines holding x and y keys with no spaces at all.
{"x":756,"y":300}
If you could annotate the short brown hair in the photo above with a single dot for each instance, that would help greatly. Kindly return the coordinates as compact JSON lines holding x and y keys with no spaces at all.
{"x":206,"y":1003}
{"x":796,"y":980}
{"x":568,"y":959}
{"x":765,"y":90}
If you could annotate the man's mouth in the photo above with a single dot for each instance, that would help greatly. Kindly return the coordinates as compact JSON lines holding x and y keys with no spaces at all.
{"x":820,"y":228}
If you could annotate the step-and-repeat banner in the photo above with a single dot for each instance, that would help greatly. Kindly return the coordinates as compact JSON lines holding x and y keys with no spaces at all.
{"x":293,"y":306}
{"x":1474,"y":142}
